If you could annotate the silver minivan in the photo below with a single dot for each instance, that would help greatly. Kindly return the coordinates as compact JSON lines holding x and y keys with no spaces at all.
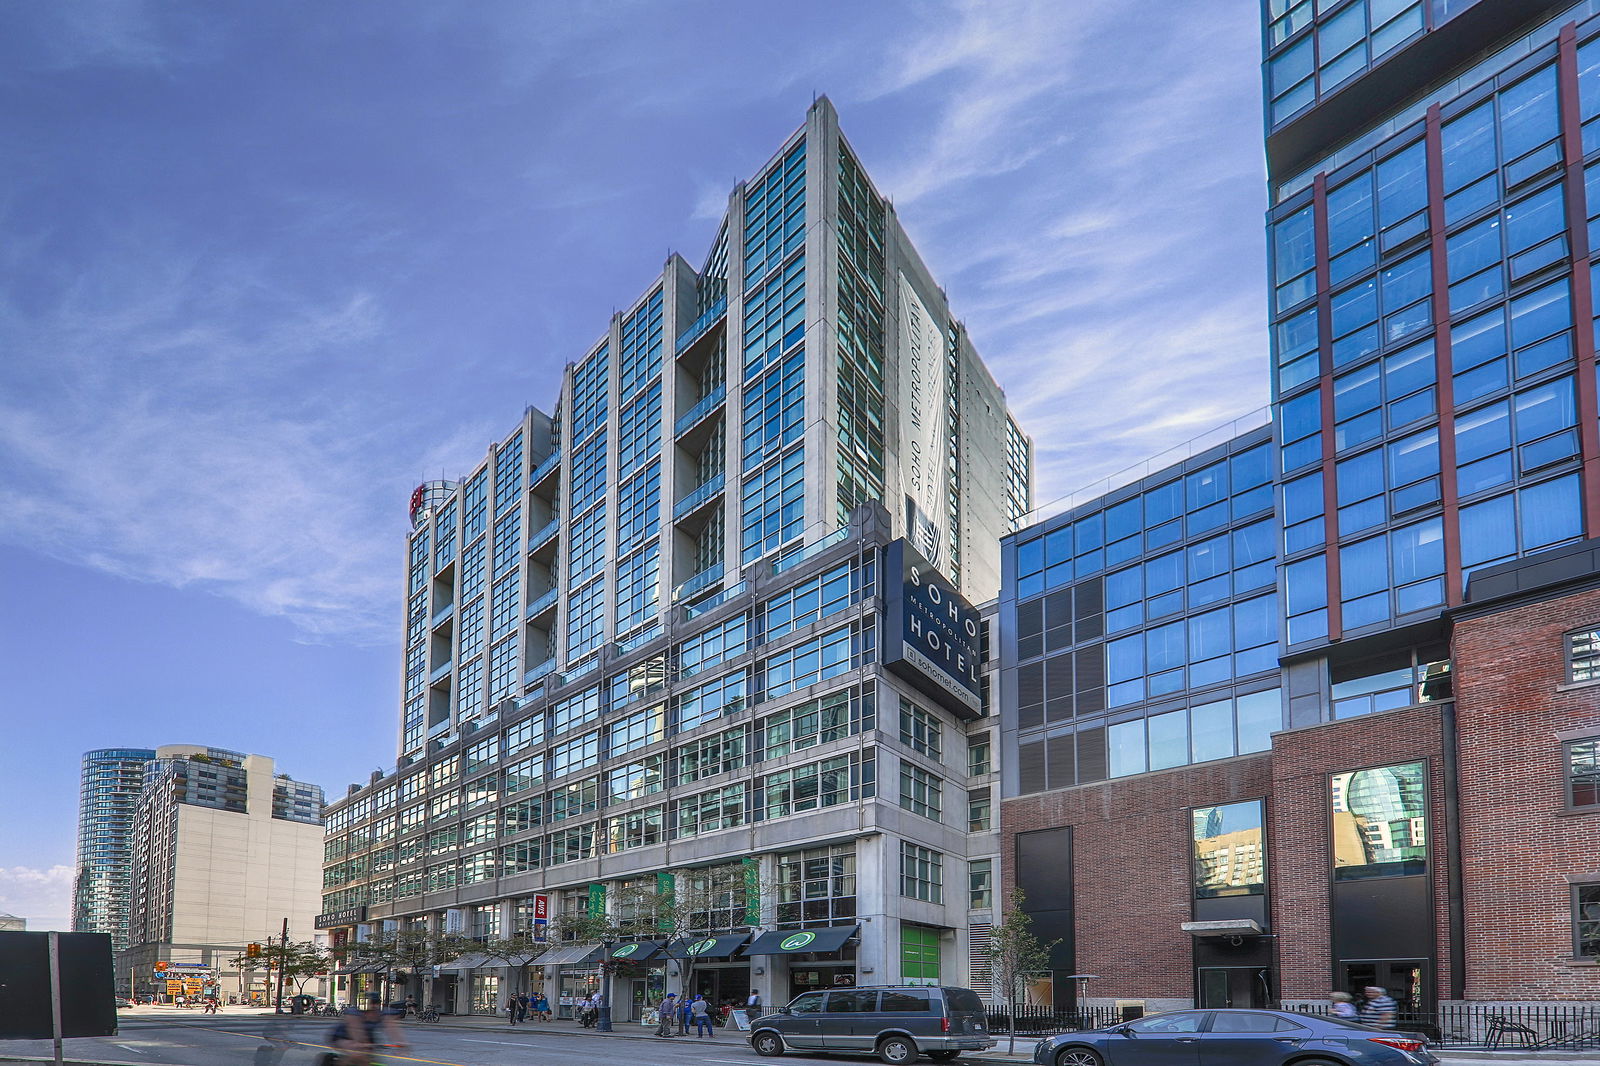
{"x":895,"y":1022}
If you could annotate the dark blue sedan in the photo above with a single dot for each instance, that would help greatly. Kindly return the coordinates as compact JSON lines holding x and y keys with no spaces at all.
{"x":1235,"y":1038}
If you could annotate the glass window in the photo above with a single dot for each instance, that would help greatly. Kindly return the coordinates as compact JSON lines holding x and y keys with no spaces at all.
{"x":1583,"y":773}
{"x":921,"y":873}
{"x":1379,"y":822}
{"x":1586,"y":921}
{"x":1583,"y":655}
{"x":1229,"y":855}
{"x":919,"y":730}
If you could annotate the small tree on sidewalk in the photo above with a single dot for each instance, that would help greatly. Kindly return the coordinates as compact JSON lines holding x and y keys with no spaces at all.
{"x":1014,"y":953}
{"x":298,"y":961}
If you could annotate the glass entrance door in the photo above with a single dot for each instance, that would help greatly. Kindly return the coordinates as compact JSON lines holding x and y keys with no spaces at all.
{"x":1234,"y":986}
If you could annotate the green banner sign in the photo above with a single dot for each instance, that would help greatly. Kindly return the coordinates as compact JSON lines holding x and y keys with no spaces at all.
{"x":752,"y":891}
{"x":597,"y":901}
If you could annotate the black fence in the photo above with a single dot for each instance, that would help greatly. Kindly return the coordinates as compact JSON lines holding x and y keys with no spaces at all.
{"x":1043,"y":1021}
{"x":1456,"y":1026}
{"x":1492,"y":1026}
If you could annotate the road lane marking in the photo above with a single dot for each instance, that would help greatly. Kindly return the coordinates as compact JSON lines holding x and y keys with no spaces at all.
{"x":507,"y":1043}
{"x":135,"y":1050}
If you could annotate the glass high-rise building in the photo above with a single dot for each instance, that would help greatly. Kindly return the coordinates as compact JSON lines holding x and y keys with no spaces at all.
{"x":642,"y":637}
{"x":1349,"y":639}
{"x":108,"y":795}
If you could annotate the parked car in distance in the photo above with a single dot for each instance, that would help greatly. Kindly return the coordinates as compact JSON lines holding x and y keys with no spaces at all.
{"x":123,"y":1001}
{"x":895,"y":1022}
{"x":1256,"y":1037}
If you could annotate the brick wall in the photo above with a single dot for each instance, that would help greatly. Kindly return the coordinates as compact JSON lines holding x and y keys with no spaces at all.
{"x":1519,"y":844}
{"x":1300,"y":851}
{"x":1131,"y":863}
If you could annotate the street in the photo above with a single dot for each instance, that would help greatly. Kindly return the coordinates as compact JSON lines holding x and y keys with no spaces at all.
{"x":233,"y":1040}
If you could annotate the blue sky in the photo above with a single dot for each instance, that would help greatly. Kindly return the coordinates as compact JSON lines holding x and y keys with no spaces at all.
{"x":268,"y":265}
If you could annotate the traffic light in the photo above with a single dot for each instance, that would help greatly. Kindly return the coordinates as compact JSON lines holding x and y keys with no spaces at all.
{"x":252,"y":951}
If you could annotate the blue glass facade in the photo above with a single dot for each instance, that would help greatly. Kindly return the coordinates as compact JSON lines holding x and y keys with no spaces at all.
{"x":1145,"y":623}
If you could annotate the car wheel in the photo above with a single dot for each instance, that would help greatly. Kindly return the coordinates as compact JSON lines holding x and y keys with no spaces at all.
{"x":1079,"y":1056}
{"x":942,"y":1056}
{"x":767,"y":1043}
{"x":897,"y":1051}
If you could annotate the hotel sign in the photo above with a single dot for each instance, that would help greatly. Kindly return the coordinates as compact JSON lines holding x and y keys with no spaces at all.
{"x":932,"y":635}
{"x":335,"y":919}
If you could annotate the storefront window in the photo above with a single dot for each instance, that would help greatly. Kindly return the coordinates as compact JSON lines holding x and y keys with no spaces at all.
{"x":485,"y":993}
{"x":919,"y":955}
{"x":1230,"y":856}
{"x":1380,"y":822}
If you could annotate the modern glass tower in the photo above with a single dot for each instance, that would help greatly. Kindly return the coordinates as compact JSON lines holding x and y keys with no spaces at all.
{"x":108,"y":795}
{"x":732,"y":414}
{"x":1432,"y":309}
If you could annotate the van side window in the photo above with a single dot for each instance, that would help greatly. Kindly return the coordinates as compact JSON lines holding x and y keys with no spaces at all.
{"x":856,"y":1001}
{"x":810,"y":1003}
{"x":903,"y":1002}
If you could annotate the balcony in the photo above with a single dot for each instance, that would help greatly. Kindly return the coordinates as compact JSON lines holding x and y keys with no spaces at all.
{"x":812,"y":551}
{"x":702,"y":409}
{"x":700,"y":608}
{"x":699,"y":496}
{"x":545,"y":601}
{"x":544,"y":534}
{"x":639,"y":640}
{"x":443,"y":616}
{"x":539,"y":672}
{"x":547,"y":466}
{"x":440,"y":673}
{"x":698,"y":583}
{"x":701,"y":326}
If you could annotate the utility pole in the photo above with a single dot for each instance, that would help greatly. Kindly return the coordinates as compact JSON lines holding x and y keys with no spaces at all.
{"x":283,"y":958}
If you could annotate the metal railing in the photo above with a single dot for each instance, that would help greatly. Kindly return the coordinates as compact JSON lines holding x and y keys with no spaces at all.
{"x":539,"y":537}
{"x":697,"y":609}
{"x":699,"y":495}
{"x":543,"y":601}
{"x":698,"y":583}
{"x":1128,"y":475}
{"x":703,"y":407}
{"x":1492,"y":1025}
{"x":444,"y":613}
{"x":441,"y":672}
{"x":1043,"y":1021}
{"x":699,"y":326}
{"x":811,"y":551}
{"x":547,"y":464}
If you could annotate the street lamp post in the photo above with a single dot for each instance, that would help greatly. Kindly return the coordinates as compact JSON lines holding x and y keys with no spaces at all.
{"x":603,"y":1022}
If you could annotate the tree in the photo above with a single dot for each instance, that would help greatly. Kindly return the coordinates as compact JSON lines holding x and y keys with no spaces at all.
{"x":1014,"y":952}
{"x":298,"y":961}
{"x":511,"y":950}
{"x":691,"y":905}
{"x":411,"y":950}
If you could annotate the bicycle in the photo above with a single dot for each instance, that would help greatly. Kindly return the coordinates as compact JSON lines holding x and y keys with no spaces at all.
{"x":428,"y":1014}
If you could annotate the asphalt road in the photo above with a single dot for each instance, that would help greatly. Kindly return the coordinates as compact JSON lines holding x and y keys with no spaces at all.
{"x":233,"y":1041}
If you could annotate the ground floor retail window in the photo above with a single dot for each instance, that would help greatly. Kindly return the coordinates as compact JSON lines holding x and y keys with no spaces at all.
{"x":919,"y":955}
{"x":484,"y":994}
{"x":1586,"y":921}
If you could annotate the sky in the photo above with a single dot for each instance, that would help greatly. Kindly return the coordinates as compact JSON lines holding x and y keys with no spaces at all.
{"x":267,"y":266}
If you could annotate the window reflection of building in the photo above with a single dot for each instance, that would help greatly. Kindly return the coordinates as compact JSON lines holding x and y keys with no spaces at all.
{"x":1379,"y":821}
{"x":1229,"y":850}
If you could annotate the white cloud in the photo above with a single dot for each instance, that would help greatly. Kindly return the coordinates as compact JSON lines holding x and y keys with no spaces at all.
{"x":1089,"y":193}
{"x":42,"y":896}
{"x":192,"y":423}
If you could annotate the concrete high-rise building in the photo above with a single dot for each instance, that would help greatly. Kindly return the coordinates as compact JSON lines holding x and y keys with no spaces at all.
{"x":108,"y":793}
{"x":223,"y":850}
{"x":635,"y":629}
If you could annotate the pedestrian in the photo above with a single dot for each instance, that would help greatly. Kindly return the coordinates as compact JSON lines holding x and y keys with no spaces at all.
{"x":664,"y":1012}
{"x":1344,"y":1006}
{"x":359,"y":1032}
{"x":684,"y":1014}
{"x":511,"y":1010}
{"x":522,"y":1006}
{"x":752,"y":1006}
{"x":700,"y":1010}
{"x":1377,"y":1007}
{"x":411,"y":1005}
{"x":541,"y":1007}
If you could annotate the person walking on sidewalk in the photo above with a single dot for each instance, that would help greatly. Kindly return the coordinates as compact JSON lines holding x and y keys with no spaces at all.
{"x":541,"y":1007}
{"x":511,"y":1010}
{"x":701,"y":1012}
{"x":521,"y":999}
{"x":752,"y":1006}
{"x":1377,"y":1007}
{"x":664,"y":1012}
